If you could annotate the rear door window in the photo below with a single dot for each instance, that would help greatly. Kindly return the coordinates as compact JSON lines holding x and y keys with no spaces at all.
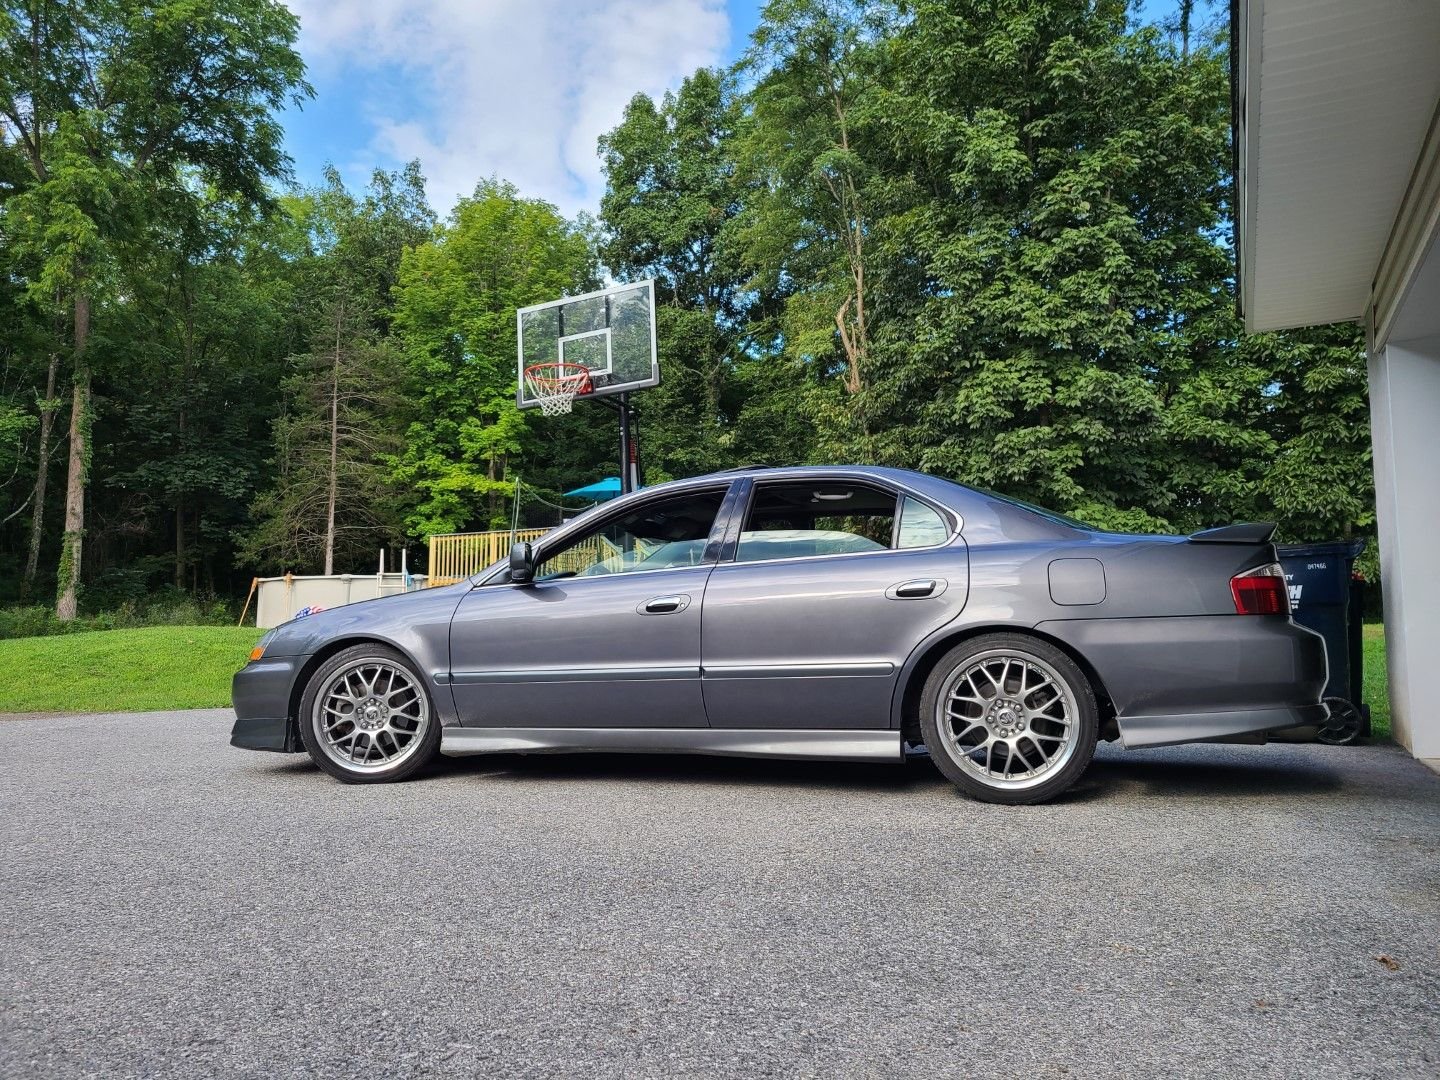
{"x":800,"y":519}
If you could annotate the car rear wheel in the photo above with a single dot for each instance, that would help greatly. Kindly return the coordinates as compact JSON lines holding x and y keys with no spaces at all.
{"x":366,"y":717}
{"x":1009,"y":719}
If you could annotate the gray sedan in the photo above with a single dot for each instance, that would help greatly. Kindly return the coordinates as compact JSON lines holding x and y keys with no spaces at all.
{"x":824,"y":612}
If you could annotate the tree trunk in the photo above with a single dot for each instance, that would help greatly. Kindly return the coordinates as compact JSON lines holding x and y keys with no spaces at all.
{"x":334,"y":454}
{"x":853,"y":337}
{"x":491,"y":498}
{"x":67,"y":599}
{"x":42,"y":477}
{"x":180,"y":542}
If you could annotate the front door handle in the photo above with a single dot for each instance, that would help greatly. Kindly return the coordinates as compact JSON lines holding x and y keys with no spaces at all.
{"x":664,"y":605}
{"x":918,"y":589}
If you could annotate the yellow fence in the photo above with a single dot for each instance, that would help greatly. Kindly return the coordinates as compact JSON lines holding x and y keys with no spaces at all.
{"x":454,"y":556}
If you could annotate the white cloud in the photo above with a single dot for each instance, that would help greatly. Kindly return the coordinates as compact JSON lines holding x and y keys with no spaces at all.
{"x":516,"y":89}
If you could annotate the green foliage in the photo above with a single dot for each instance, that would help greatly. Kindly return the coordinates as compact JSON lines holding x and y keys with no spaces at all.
{"x":818,"y":69}
{"x":126,"y":115}
{"x":671,"y":212}
{"x":1034,"y":287}
{"x":332,"y":501}
{"x":1319,"y":479}
{"x":164,"y":609}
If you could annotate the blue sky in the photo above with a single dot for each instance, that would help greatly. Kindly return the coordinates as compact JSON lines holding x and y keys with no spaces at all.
{"x":519,"y":89}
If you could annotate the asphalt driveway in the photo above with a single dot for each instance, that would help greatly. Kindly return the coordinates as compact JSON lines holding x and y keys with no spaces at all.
{"x":173,"y":907}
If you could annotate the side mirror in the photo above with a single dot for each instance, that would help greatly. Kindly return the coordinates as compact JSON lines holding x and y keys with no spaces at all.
{"x":522,"y":563}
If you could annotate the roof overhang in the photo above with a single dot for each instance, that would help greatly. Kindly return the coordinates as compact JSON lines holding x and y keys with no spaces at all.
{"x":1337,"y":148}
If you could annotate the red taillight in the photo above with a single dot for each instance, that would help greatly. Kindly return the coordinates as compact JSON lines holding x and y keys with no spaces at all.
{"x":1261,"y":591}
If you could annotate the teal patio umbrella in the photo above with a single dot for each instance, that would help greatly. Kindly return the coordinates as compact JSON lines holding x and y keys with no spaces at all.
{"x":599,"y":491}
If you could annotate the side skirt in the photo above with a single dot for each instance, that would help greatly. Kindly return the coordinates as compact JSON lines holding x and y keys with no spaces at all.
{"x":1173,"y":728}
{"x":730,"y":742}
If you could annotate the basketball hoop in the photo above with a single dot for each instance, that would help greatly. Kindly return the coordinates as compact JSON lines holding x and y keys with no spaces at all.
{"x":553,"y":386}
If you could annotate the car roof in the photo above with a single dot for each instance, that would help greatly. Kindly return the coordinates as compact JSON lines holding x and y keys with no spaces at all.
{"x":983,"y":516}
{"x":781,"y":472}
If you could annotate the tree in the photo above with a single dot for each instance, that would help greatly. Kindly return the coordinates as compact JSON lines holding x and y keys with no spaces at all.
{"x":455,"y":314}
{"x":17,"y":424}
{"x":192,"y":382}
{"x":672,"y":199}
{"x":333,"y":498}
{"x":816,"y":66}
{"x":1320,"y":481}
{"x":1050,"y":171}
{"x":333,"y":490}
{"x":114,"y":103}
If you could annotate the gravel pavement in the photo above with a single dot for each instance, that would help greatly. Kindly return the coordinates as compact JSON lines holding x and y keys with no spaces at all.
{"x":175,"y":907}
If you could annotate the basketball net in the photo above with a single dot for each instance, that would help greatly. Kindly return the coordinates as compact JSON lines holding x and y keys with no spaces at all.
{"x":553,"y":386}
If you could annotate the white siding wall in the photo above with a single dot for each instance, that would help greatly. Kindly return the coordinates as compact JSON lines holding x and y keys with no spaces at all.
{"x":1405,"y":428}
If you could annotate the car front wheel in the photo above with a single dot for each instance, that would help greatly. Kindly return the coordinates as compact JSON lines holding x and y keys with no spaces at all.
{"x":366,"y":717}
{"x":1009,"y":719}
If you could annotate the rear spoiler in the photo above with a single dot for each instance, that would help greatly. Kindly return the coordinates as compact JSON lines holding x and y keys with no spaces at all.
{"x":1255,"y":532}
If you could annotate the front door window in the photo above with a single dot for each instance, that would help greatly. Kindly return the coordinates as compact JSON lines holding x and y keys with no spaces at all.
{"x":655,"y":536}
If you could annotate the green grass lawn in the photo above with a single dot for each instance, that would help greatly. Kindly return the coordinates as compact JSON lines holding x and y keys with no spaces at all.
{"x":157,"y":667}
{"x":1377,"y":693}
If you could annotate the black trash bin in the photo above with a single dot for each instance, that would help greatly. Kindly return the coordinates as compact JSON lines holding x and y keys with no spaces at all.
{"x":1325,"y":598}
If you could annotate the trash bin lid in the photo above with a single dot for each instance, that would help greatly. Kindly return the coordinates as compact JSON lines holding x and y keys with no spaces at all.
{"x":1348,"y":548}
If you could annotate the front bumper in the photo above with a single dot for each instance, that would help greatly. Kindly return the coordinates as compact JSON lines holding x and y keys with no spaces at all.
{"x":261,"y":694}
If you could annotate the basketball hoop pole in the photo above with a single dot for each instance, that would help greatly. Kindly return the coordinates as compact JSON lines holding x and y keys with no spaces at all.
{"x":627,"y":474}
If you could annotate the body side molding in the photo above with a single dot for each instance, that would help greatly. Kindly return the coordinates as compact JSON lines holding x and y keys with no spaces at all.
{"x":603,"y":673}
{"x":735,"y":742}
{"x":839,"y":669}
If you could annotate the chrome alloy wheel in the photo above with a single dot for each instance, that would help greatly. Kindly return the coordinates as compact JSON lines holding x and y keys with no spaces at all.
{"x":1007,"y":719}
{"x":370,"y":716}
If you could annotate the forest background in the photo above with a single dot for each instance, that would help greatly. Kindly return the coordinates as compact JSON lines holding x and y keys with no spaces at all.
{"x":988,"y":239}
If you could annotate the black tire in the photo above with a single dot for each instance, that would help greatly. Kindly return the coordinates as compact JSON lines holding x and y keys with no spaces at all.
{"x":1018,"y":714}
{"x":1344,"y":726}
{"x":409,"y":755}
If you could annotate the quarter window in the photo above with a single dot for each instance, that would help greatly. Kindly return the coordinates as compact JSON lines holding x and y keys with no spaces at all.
{"x":920,"y":525}
{"x":656,"y":536}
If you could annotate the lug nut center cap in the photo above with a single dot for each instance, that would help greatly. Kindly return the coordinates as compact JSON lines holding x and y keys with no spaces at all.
{"x":1007,"y":717}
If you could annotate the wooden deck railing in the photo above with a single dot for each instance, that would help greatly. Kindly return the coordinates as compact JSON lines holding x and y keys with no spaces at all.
{"x":454,"y":556}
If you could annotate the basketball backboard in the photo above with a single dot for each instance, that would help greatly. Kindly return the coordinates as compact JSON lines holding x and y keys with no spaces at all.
{"x":611,"y":332}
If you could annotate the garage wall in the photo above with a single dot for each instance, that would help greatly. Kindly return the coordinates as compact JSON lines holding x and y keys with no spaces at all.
{"x":1405,"y":429}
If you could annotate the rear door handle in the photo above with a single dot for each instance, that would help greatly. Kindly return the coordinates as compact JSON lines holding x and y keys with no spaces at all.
{"x":918,"y":589}
{"x":664,"y":605}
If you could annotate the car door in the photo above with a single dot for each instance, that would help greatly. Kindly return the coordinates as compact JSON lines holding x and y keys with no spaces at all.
{"x":608,"y":635}
{"x":830,"y":586}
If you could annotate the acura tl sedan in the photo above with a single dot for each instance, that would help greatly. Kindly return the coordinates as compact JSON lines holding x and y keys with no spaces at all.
{"x":841,"y":613}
